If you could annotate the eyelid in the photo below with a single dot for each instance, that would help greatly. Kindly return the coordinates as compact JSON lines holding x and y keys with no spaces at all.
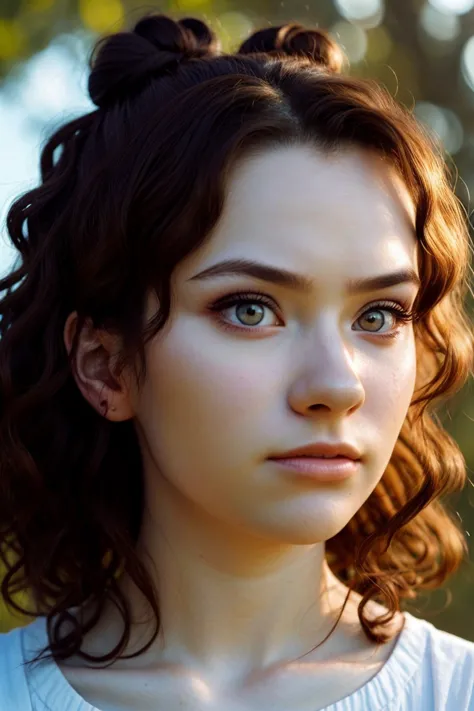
{"x":397,"y":304}
{"x":254,"y":295}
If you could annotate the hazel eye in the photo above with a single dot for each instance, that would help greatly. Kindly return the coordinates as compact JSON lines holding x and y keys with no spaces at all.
{"x":375,"y":319}
{"x":249,"y":313}
{"x":246,"y":311}
{"x":398,"y":313}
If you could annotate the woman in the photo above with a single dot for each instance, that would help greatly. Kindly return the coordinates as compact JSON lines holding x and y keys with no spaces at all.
{"x":241,"y":289}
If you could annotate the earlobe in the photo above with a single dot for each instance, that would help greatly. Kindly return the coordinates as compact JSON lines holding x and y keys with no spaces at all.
{"x":105,"y":408}
{"x":91,"y":366}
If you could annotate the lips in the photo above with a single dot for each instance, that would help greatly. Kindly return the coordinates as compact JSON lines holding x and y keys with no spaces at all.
{"x":320,"y":450}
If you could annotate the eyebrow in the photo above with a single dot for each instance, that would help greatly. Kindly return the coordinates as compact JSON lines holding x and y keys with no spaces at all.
{"x":302,"y":283}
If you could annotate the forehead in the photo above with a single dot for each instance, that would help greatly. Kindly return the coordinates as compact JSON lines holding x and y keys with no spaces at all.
{"x":296,"y":206}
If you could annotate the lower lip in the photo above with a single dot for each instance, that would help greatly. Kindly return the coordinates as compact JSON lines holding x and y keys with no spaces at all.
{"x":319,"y":468}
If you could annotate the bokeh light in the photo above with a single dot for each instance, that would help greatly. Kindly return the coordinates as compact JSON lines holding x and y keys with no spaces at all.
{"x":457,"y":7}
{"x":467,"y":62}
{"x":380,"y":44}
{"x":39,"y":5}
{"x":103,"y":16}
{"x":368,"y":12}
{"x":352,"y":39}
{"x":12,"y":39}
{"x":443,"y":123}
{"x":442,"y":26}
{"x":233,"y":28}
{"x":51,"y":76}
{"x":192,"y":6}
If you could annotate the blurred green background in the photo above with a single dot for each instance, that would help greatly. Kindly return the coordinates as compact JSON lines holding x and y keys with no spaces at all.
{"x":421,"y":50}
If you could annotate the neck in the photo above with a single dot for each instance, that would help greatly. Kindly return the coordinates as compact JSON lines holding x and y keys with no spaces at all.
{"x":228,"y":598}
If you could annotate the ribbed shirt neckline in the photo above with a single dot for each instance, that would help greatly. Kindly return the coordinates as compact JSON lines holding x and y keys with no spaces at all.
{"x":48,"y":684}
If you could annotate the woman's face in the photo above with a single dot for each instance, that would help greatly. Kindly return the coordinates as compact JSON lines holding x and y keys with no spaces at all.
{"x":231,"y":383}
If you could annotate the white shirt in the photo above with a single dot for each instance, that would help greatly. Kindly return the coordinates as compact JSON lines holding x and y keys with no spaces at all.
{"x":428,"y":670}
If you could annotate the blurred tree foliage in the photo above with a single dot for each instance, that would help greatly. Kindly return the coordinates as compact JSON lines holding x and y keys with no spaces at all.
{"x":422,"y":51}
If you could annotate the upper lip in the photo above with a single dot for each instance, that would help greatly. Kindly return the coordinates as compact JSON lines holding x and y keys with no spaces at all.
{"x":318,"y":449}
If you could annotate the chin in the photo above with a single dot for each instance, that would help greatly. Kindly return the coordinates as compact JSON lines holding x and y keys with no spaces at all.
{"x":294,"y":533}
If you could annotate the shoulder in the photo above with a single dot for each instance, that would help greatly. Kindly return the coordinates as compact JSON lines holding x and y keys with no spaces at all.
{"x":448,"y":649}
{"x":446,"y":665}
{"x":14,"y":693}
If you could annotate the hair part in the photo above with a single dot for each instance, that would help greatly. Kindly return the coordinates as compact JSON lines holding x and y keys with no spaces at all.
{"x":99,"y":234}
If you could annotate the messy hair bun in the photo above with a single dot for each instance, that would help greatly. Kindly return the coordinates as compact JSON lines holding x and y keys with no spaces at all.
{"x":296,"y":40}
{"x":124,"y":62}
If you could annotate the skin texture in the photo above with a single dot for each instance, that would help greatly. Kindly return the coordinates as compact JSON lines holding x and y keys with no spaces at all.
{"x":236,"y":542}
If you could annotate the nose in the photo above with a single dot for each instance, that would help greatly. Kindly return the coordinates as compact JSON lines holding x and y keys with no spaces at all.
{"x":325,"y":379}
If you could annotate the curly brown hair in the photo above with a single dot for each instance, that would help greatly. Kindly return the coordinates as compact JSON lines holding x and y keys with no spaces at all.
{"x":110,"y":221}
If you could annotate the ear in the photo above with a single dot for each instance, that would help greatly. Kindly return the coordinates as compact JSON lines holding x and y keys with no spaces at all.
{"x":94,"y":370}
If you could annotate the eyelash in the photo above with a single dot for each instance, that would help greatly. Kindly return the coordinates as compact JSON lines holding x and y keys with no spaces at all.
{"x":401,"y":313}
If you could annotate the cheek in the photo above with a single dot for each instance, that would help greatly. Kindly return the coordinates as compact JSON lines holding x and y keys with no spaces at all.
{"x":205,"y":392}
{"x":389,"y":391}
